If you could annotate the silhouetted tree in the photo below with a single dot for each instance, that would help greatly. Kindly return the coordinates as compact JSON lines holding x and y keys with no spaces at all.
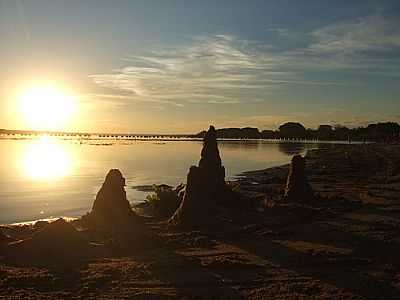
{"x":325,"y":132}
{"x":341,"y":133}
{"x":249,"y":132}
{"x":380,"y":132}
{"x":383,"y":131}
{"x":292,"y":130}
{"x":268,"y":134}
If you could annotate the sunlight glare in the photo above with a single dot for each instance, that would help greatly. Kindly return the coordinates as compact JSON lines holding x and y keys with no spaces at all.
{"x":45,"y":107}
{"x":46,"y":160}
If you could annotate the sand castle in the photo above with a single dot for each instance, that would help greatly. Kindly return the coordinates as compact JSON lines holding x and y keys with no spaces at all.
{"x":111,"y":211}
{"x":111,"y":202}
{"x":205,"y":185}
{"x":297,"y":187}
{"x":210,"y":161}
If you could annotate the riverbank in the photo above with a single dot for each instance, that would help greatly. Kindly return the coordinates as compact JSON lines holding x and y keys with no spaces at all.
{"x":345,"y":245}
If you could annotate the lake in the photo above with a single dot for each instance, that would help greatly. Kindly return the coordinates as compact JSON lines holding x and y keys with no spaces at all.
{"x":47,"y":177}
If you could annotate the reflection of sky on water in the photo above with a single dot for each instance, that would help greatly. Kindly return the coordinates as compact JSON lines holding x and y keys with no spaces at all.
{"x":42,"y":178}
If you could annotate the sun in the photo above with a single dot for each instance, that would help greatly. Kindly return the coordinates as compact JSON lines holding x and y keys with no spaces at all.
{"x":46,"y":107}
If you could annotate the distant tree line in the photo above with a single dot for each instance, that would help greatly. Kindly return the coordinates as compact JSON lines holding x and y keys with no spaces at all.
{"x":379,"y":132}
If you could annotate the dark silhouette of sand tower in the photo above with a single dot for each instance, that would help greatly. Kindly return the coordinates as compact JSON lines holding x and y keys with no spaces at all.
{"x":205,"y":183}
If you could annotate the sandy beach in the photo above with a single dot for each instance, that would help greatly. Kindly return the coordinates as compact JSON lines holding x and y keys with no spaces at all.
{"x":344,"y":244}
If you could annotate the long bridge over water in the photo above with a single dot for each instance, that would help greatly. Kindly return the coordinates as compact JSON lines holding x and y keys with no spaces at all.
{"x":88,"y":135}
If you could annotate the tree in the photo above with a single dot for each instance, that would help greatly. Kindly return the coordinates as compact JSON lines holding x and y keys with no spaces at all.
{"x":292,"y":130}
{"x":325,"y":132}
{"x":383,"y":131}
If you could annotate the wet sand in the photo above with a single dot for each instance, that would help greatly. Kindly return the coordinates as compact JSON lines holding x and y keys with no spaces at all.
{"x":343,"y":245}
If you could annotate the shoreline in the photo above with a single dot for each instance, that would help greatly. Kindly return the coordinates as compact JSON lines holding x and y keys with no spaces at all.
{"x":239,"y":178}
{"x":341,"y":169}
{"x":248,"y":181}
{"x":148,"y":188}
{"x":344,"y":245}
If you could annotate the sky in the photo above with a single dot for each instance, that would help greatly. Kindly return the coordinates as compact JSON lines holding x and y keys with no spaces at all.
{"x":178,"y":66}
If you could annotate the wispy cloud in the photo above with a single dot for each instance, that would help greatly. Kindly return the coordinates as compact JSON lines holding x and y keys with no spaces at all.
{"x":224,"y":69}
{"x":211,"y":69}
{"x":371,"y":33}
{"x":221,"y":69}
{"x":368,"y":45}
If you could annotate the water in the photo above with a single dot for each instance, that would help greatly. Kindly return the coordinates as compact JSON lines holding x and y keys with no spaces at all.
{"x":50,"y":177}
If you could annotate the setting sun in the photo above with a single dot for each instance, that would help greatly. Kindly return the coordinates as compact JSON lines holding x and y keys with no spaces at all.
{"x":46,"y":107}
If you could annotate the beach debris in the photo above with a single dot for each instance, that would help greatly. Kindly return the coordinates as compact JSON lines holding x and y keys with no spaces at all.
{"x":165,"y":200}
{"x":297,"y":187}
{"x":150,"y":187}
{"x":205,"y":186}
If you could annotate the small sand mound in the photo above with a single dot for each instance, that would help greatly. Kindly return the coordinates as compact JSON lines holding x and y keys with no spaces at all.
{"x":58,"y":241}
{"x":60,"y":232}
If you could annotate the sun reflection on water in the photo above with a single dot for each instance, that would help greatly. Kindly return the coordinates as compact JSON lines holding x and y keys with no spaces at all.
{"x":46,"y":160}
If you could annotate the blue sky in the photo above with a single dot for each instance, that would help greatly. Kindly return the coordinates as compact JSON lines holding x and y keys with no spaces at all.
{"x":176,"y":66}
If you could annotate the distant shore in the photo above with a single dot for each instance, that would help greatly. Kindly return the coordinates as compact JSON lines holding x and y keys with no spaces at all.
{"x":381,"y":131}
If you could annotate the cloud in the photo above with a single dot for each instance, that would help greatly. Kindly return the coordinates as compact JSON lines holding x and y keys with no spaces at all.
{"x":222,"y":101}
{"x":211,"y":69}
{"x":278,"y":30}
{"x":227,"y":70}
{"x":368,"y":45}
{"x":220,"y":69}
{"x":371,"y":33}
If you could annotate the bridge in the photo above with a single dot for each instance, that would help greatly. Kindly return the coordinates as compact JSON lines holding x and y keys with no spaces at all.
{"x":88,"y":135}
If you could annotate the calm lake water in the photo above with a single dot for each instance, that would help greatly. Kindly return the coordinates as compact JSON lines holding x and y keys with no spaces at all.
{"x":49,"y":177}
